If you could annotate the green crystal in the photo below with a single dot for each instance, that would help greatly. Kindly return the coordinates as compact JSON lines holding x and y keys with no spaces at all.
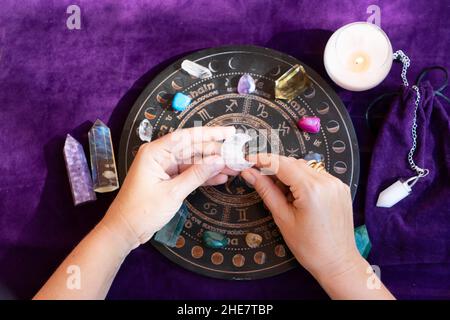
{"x":214,"y":240}
{"x":169,"y":234}
{"x":362,"y":240}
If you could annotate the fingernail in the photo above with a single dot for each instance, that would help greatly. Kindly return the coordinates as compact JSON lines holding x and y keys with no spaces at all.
{"x":248,"y":176}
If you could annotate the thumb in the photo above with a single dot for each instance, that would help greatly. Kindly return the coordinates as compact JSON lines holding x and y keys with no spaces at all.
{"x":270,"y":193}
{"x":196,"y":175}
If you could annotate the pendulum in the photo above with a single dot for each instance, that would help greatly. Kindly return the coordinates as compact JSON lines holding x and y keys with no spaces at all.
{"x":233,"y":152}
{"x":145,"y":131}
{"x":78,"y":171}
{"x":246,"y":84}
{"x":309,"y":124}
{"x":291,"y":83}
{"x":103,"y":164}
{"x":169,"y":234}
{"x":214,"y":240}
{"x":195,"y":69}
{"x":180,"y":101}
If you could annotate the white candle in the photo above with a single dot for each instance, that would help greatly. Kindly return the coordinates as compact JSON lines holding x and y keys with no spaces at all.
{"x":358,"y":56}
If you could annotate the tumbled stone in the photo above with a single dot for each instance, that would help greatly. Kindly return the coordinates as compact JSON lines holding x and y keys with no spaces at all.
{"x":103,"y":164}
{"x":145,"y":131}
{"x":291,"y":83}
{"x":180,"y":101}
{"x":309,"y":124}
{"x":246,"y":84}
{"x":253,"y":240}
{"x":195,"y":69}
{"x":170,"y":233}
{"x":214,"y":240}
{"x":314,"y":156}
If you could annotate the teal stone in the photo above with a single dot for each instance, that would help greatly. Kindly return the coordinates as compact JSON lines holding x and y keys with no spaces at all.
{"x":214,"y":240}
{"x":362,"y":240}
{"x":169,"y":234}
{"x":180,"y":101}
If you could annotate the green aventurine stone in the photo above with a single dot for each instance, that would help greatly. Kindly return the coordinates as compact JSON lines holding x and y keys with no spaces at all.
{"x":362,"y":240}
{"x":214,"y":240}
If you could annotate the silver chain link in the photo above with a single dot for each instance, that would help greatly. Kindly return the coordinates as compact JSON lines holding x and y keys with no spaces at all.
{"x":404,"y":59}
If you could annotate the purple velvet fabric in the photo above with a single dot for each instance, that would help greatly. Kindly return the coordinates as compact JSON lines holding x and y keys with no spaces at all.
{"x":55,"y":81}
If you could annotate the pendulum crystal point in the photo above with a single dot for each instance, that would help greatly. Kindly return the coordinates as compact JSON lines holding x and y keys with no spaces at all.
{"x":393,"y":194}
{"x":362,"y":241}
{"x":214,"y":240}
{"x":195,"y":69}
{"x":309,"y":124}
{"x":145,"y":131}
{"x":291,"y":83}
{"x":246,"y":84}
{"x":78,"y":171}
{"x":180,"y":101}
{"x":169,"y":234}
{"x":103,"y":164}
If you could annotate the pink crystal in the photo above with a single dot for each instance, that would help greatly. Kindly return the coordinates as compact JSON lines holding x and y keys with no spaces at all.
{"x":309,"y":124}
{"x":246,"y":84}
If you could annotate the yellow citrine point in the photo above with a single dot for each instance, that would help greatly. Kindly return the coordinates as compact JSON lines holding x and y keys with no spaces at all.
{"x":291,"y":83}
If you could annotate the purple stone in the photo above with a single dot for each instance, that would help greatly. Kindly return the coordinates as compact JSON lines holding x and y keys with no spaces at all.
{"x":246,"y":84}
{"x":78,"y":171}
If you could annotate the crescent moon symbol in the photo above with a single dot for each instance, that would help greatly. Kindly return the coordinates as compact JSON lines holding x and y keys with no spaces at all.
{"x":277,"y":72}
{"x":210,"y":66}
{"x":310,"y":95}
{"x":176,"y":86}
{"x":332,"y":126}
{"x":230,"y":63}
{"x":323,"y":109}
{"x":338,"y":146}
{"x":159,"y":97}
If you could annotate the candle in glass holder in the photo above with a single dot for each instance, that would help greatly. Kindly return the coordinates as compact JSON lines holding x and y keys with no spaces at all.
{"x":358,"y":56}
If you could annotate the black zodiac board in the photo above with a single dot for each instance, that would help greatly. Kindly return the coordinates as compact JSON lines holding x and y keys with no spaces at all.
{"x":234,"y":208}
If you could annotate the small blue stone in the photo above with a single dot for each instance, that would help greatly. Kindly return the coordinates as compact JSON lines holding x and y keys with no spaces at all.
{"x":362,"y":241}
{"x":313,"y":156}
{"x":180,"y":101}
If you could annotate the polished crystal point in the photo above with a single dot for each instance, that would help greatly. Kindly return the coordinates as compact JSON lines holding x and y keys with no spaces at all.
{"x":169,"y":234}
{"x":180,"y":101}
{"x":78,"y":171}
{"x":291,"y":83}
{"x":195,"y":69}
{"x":103,"y":164}
{"x":214,"y":240}
{"x":362,"y":241}
{"x":246,"y":84}
{"x":309,"y":124}
{"x":145,"y":131}
{"x":393,"y":194}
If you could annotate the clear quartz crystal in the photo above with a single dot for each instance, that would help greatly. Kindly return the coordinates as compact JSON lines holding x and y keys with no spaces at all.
{"x":195,"y":69}
{"x":103,"y":164}
{"x":145,"y":131}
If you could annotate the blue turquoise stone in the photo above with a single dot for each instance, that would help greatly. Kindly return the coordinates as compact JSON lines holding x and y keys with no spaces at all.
{"x":362,"y":240}
{"x":180,"y":101}
{"x":214,"y":240}
{"x":169,"y":234}
{"x":313,"y":156}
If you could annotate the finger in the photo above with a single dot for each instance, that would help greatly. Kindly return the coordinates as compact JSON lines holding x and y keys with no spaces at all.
{"x":195,"y":176}
{"x":288,"y":170}
{"x":273,"y":197}
{"x":216,"y":180}
{"x":183,"y":138}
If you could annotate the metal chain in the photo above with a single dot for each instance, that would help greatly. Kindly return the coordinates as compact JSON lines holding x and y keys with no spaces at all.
{"x":404,"y":59}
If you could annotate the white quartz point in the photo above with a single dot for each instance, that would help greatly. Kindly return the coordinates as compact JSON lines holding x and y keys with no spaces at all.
{"x":233,"y":152}
{"x":196,"y":70}
{"x":393,"y":194}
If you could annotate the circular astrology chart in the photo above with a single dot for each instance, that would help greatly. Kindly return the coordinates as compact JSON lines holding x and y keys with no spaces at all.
{"x":234,"y":208}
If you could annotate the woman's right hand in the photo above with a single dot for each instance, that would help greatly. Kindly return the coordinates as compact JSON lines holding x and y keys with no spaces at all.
{"x":313,"y":211}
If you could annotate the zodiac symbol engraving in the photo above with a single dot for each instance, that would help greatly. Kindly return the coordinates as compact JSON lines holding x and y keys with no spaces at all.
{"x":284,"y":128}
{"x":317,"y":143}
{"x":231,"y":105}
{"x":212,"y":207}
{"x":242,"y":214}
{"x":262,"y":111}
{"x":204,"y":115}
{"x":292,"y":152}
